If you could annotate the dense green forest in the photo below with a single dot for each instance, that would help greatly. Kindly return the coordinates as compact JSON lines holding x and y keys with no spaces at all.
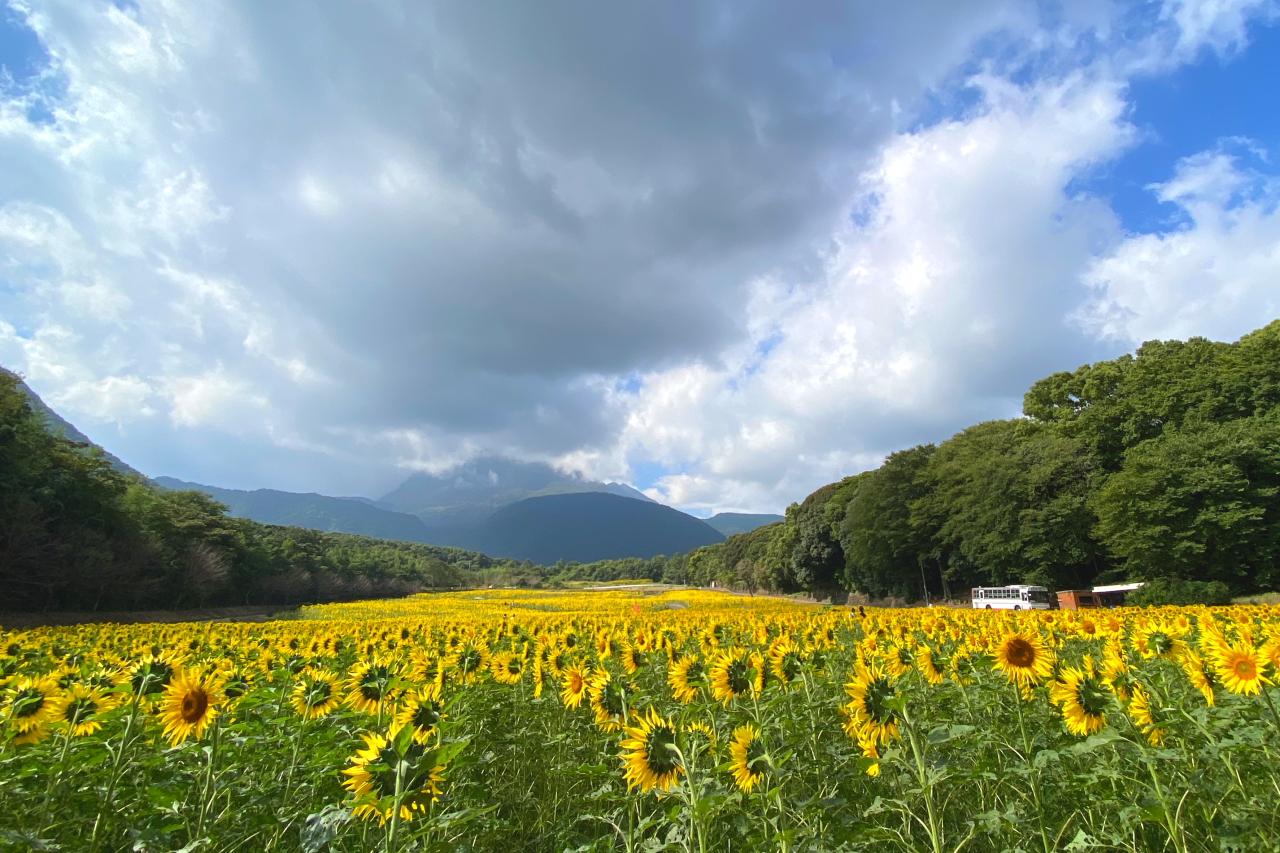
{"x":1161,"y":464}
{"x":77,"y":533}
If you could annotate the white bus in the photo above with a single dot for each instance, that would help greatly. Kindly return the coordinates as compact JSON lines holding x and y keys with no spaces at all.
{"x":1012,"y":597}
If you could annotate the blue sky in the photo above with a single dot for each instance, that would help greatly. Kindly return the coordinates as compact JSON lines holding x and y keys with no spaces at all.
{"x":803,"y":240}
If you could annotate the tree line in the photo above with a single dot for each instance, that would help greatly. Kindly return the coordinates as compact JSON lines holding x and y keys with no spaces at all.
{"x":78,"y":534}
{"x":1161,"y":465}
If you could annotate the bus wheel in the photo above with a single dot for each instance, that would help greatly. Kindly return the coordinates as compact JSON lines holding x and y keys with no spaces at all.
{"x":988,"y":606}
{"x":1017,"y":607}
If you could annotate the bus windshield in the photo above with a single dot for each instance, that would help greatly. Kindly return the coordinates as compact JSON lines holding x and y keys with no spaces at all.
{"x":1039,"y":596}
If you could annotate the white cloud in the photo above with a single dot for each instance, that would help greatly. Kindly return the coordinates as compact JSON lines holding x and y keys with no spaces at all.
{"x":1215,"y":277}
{"x":470,"y":235}
{"x":936,"y":311}
{"x":1220,"y":25}
{"x":215,"y":399}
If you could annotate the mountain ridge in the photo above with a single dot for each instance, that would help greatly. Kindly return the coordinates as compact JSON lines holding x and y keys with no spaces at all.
{"x":587,"y":526}
{"x":732,"y":523}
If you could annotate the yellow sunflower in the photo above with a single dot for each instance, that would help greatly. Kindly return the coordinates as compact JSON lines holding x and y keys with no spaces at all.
{"x":81,"y":708}
{"x":576,"y":682}
{"x":422,"y":711}
{"x":747,"y":758}
{"x":316,"y":694}
{"x":31,"y":703}
{"x":868,"y":711}
{"x":608,"y":700}
{"x":1240,"y":669}
{"x":507,"y":667}
{"x":687,"y":676}
{"x":1083,"y":699}
{"x":1141,"y":714}
{"x":189,"y":705}
{"x":1202,"y":677}
{"x":633,"y":659}
{"x":785,"y":660}
{"x":649,"y":753}
{"x":369,"y":686}
{"x":731,"y":675}
{"x":469,"y":661}
{"x":371,"y":777}
{"x":1024,"y":658}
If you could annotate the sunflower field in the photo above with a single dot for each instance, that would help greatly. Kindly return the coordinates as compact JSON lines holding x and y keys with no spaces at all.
{"x":645,"y":720}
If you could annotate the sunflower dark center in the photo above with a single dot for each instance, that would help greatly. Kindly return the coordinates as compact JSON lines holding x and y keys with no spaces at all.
{"x":80,"y":709}
{"x":1092,"y":697}
{"x":318,"y":692}
{"x":426,"y":715}
{"x":879,"y":692}
{"x":611,"y":700}
{"x":28,"y":703}
{"x":1020,"y":653}
{"x":194,"y":704}
{"x":659,"y":752}
{"x":737,"y":674}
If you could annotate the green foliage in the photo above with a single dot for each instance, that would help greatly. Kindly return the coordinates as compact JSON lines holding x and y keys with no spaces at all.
{"x":1199,"y":503}
{"x":1179,"y":591}
{"x":1165,"y":463}
{"x":78,"y":533}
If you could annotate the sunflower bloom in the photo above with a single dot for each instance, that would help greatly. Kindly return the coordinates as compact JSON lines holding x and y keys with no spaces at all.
{"x":316,"y":694}
{"x":1083,"y":698}
{"x":422,"y":711}
{"x":648,"y":753}
{"x":1024,"y":659}
{"x":687,"y":677}
{"x":1240,"y":669}
{"x":81,"y":708}
{"x":31,"y":703}
{"x":747,"y":758}
{"x":189,"y":705}
{"x":371,"y":777}
{"x":574,"y":688}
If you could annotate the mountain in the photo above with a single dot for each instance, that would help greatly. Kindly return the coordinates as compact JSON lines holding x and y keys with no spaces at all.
{"x":317,"y":512}
{"x":731,"y":523}
{"x":59,"y":426}
{"x":586,"y":526}
{"x":468,"y":493}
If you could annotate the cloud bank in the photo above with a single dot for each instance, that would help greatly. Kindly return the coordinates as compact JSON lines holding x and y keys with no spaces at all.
{"x":733,"y":251}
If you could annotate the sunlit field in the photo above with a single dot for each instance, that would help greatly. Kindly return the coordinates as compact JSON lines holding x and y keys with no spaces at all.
{"x":645,"y":720}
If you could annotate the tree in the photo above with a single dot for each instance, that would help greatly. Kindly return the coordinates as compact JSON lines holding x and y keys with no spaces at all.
{"x":884,"y":550}
{"x":1199,"y":503}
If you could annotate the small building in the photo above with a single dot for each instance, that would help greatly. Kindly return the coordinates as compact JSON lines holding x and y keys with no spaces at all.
{"x":1114,"y":595}
{"x":1076,"y":599}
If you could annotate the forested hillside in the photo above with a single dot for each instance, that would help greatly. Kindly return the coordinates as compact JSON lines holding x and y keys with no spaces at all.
{"x":76,"y":533}
{"x":1161,"y":464}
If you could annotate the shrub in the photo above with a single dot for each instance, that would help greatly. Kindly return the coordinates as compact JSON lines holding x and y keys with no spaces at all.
{"x":1180,"y":591}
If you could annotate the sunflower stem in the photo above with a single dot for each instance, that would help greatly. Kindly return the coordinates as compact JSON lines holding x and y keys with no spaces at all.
{"x":55,"y":779}
{"x":207,"y":790}
{"x":116,"y":762}
{"x":1271,"y":705}
{"x":1031,"y":769}
{"x":926,"y":785}
{"x":395,"y":806}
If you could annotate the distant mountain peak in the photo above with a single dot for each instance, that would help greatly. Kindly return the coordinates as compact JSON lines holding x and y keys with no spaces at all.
{"x":730,"y":523}
{"x":485,"y":483}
